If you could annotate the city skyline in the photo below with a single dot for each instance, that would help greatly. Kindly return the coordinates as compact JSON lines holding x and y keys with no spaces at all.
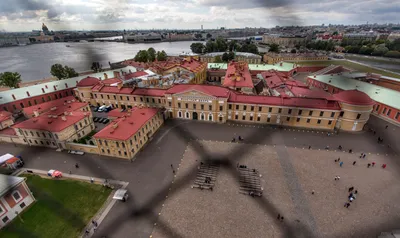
{"x":27,"y":15}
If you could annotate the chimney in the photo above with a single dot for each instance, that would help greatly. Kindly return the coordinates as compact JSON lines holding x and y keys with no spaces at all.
{"x":119,"y":85}
{"x":63,"y":118}
{"x":35,"y":113}
{"x":53,"y":108}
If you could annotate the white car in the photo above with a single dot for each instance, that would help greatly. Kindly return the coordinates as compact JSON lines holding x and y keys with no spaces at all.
{"x":121,"y":194}
{"x":75,"y":152}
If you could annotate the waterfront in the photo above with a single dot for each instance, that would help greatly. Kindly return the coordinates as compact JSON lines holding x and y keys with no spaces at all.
{"x":33,"y":62}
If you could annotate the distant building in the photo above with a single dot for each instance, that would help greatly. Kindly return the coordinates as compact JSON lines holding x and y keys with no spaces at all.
{"x":369,"y":36}
{"x":393,"y":36}
{"x":284,"y":40}
{"x":273,"y":58}
{"x":239,"y":56}
{"x":329,"y":37}
{"x":15,"y":197}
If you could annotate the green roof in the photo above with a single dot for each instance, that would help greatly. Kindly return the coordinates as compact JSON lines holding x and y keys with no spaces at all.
{"x":379,"y":94}
{"x":286,"y":66}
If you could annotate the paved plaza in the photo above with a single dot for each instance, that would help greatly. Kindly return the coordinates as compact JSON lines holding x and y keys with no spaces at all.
{"x":224,"y":212}
{"x":150,"y":175}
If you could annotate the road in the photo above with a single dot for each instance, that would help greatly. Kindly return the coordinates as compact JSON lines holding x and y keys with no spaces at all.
{"x":150,"y":175}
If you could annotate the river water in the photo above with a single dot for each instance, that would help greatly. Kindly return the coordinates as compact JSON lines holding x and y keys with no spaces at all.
{"x":34,"y":61}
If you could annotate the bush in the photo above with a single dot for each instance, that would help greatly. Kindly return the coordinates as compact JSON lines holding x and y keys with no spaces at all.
{"x":393,"y":54}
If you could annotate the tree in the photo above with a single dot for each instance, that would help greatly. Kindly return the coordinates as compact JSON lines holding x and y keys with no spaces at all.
{"x":70,"y":72}
{"x":96,"y":67}
{"x":10,"y":79}
{"x":151,"y":53}
{"x":63,"y":72}
{"x":221,"y":45}
{"x":274,"y":48}
{"x":162,"y":56}
{"x":198,"y":36}
{"x":218,"y":59}
{"x":197,"y":48}
{"x":233,"y":45}
{"x":142,"y":56}
{"x":57,"y":70}
{"x":293,"y":51}
{"x":380,"y":50}
{"x":365,"y":50}
{"x":208,"y":35}
{"x":210,"y":47}
{"x":225,"y":57}
{"x":231,"y":56}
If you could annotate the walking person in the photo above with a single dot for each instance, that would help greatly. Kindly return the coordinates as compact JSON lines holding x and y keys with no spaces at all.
{"x":364,"y":156}
{"x":346,"y":205}
{"x":351,"y":189}
{"x":386,"y":127}
{"x":91,"y":180}
{"x":341,"y":164}
{"x":309,"y":147}
{"x":373,"y":164}
{"x":350,"y":151}
{"x":77,"y":165}
{"x":368,"y":165}
{"x":354,"y":163}
{"x":279,"y":216}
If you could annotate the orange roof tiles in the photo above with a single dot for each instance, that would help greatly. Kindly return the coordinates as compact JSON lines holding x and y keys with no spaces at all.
{"x":354,"y":97}
{"x":238,"y":76}
{"x":125,"y":127}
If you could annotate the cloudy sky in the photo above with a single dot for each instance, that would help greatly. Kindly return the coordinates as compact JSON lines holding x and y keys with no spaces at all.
{"x":25,"y":15}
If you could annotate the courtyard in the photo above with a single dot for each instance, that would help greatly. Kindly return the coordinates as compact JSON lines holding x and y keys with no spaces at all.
{"x":62,"y":208}
{"x":289,"y":176}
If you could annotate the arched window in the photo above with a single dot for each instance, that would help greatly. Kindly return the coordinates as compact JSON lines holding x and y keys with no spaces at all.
{"x":187,"y":115}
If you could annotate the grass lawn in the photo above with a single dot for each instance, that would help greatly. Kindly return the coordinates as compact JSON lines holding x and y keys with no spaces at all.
{"x":348,"y":64}
{"x":62,"y":210}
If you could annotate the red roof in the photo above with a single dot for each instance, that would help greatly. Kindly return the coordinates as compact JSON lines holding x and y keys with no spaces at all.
{"x":354,"y":97}
{"x":280,"y":101}
{"x":238,"y":76}
{"x":216,"y":91}
{"x":8,"y":131}
{"x":125,"y":127}
{"x":43,"y":107}
{"x":111,"y":81}
{"x":149,"y":92}
{"x":116,"y":113}
{"x":88,"y":81}
{"x":52,"y":124}
{"x":193,"y":65}
{"x":305,"y":92}
{"x":135,"y":75}
{"x":4,"y":115}
{"x":68,"y":107}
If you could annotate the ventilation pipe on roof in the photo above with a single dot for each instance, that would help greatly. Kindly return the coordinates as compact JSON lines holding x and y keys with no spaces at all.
{"x":63,"y":118}
{"x":36,"y":113}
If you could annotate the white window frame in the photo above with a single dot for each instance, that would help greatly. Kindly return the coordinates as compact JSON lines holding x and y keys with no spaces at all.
{"x":20,"y":196}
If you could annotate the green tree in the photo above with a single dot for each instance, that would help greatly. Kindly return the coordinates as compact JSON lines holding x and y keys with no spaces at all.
{"x":198,"y":36}
{"x":142,"y":56}
{"x":218,"y":59}
{"x":233,"y":45}
{"x":57,"y":70}
{"x":208,"y":35}
{"x":293,"y":51}
{"x":221,"y":45}
{"x":10,"y":79}
{"x":210,"y":47}
{"x":231,"y":56}
{"x":197,"y":48}
{"x":225,"y":57}
{"x":394,"y":45}
{"x":365,"y":50}
{"x":380,"y":41}
{"x":162,"y":56}
{"x":151,"y":53}
{"x":274,"y":48}
{"x":70,"y":72}
{"x":380,"y":50}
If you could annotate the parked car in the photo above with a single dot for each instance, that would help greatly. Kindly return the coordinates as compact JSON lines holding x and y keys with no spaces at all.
{"x":95,"y":119}
{"x":106,"y":121}
{"x":121,"y":194}
{"x":75,"y":152}
{"x":107,"y":109}
{"x":101,"y":109}
{"x":101,"y":120}
{"x":54,"y":173}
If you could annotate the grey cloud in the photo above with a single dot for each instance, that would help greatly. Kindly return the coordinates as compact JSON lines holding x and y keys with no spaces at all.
{"x":110,"y":16}
{"x":14,"y":6}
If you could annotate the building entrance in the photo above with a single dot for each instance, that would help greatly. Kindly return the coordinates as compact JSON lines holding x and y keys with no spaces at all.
{"x":195,"y":116}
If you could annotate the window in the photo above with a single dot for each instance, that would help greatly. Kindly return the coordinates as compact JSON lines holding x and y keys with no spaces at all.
{"x":17,"y":196}
{"x":44,"y":135}
{"x":384,"y":111}
{"x":287,"y":118}
{"x":80,"y":124}
{"x":251,"y":118}
{"x":119,"y":152}
{"x":252,"y":108}
{"x":397,"y":116}
{"x":341,"y":114}
{"x":221,"y":108}
{"x":134,"y":99}
{"x":298,"y":119}
{"x":358,"y":115}
{"x":34,"y":100}
{"x":236,"y":117}
{"x":230,"y":106}
{"x":310,"y":113}
{"x":180,"y":114}
{"x":280,"y":110}
{"x":210,"y":118}
{"x":237,"y":107}
{"x":125,"y":153}
{"x":100,"y":142}
{"x":332,"y":114}
{"x":108,"y":151}
{"x":270,"y":109}
{"x":22,"y":205}
{"x":244,"y":117}
{"x":290,"y":111}
{"x":141,"y":99}
{"x":169,"y":104}
{"x":308,"y":120}
{"x":134,"y":138}
{"x":106,"y":143}
{"x":210,"y":107}
{"x":202,"y":107}
{"x":268,"y":119}
{"x":5,"y":219}
{"x":187,"y":115}
{"x":330,"y":122}
{"x":321,"y":114}
{"x":194,"y":105}
{"x":43,"y":99}
{"x":259,"y":109}
{"x":101,"y":95}
{"x":152,"y":100}
{"x":117,"y":144}
{"x":159,"y":100}
{"x":41,"y":142}
{"x":22,"y":105}
{"x":108,"y":96}
{"x":377,"y":107}
{"x":31,"y":133}
{"x":319,"y":122}
{"x":389,"y":111}
{"x":244,"y":107}
{"x":300,"y":112}
{"x":147,"y":99}
{"x":37,"y":133}
{"x":179,"y":105}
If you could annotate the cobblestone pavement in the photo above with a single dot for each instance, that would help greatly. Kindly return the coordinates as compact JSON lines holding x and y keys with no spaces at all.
{"x":149,"y":174}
